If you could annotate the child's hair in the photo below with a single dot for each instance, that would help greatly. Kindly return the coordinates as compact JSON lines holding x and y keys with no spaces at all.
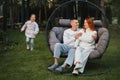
{"x":32,"y":15}
{"x":90,"y":24}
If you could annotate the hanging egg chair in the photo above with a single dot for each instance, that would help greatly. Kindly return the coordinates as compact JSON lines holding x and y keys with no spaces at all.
{"x":59,"y":20}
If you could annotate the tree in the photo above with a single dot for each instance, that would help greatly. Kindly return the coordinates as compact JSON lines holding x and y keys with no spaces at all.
{"x":108,"y":13}
{"x":11,"y":2}
{"x":41,"y":5}
{"x":115,"y":8}
{"x":5,"y":15}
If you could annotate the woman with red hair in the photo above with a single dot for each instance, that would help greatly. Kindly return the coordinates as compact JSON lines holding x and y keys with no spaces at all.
{"x":84,"y":45}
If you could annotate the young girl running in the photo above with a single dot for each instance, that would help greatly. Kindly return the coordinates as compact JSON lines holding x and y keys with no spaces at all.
{"x":31,"y":30}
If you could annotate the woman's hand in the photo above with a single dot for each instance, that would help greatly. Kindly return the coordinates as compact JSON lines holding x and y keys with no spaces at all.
{"x":94,"y":37}
{"x":78,"y":35}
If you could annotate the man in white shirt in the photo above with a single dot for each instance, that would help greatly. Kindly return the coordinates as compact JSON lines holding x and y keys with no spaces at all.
{"x":69,"y":37}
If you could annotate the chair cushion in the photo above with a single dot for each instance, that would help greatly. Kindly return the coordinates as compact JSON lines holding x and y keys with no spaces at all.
{"x":56,"y":36}
{"x":98,"y":23}
{"x":103,"y":40}
{"x":64,"y":22}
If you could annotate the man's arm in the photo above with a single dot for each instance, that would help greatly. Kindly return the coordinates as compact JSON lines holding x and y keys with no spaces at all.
{"x":67,"y":38}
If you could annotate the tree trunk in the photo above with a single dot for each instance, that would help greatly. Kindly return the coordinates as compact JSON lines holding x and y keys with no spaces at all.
{"x":15,"y":12}
{"x":11,"y":11}
{"x":119,"y":19}
{"x":102,"y":5}
{"x":108,"y":13}
{"x":105,"y":21}
{"x":40,"y":7}
{"x":5,"y":15}
{"x":39,"y":19}
{"x":22,"y":12}
{"x":45,"y":10}
{"x":27,"y":9}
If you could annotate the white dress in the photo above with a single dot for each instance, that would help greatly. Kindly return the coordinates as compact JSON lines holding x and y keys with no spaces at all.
{"x":84,"y":45}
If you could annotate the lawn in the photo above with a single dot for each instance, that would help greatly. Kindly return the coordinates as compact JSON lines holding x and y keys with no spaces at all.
{"x":21,"y":64}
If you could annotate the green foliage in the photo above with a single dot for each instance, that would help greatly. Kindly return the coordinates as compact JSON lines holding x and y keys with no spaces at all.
{"x":6,"y":43}
{"x":114,"y":4}
{"x":43,"y":24}
{"x":1,"y":2}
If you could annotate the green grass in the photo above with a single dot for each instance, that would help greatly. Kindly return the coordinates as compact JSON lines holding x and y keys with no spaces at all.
{"x":20,"y":64}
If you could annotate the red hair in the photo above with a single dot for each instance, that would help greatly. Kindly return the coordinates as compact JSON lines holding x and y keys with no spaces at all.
{"x":90,"y":24}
